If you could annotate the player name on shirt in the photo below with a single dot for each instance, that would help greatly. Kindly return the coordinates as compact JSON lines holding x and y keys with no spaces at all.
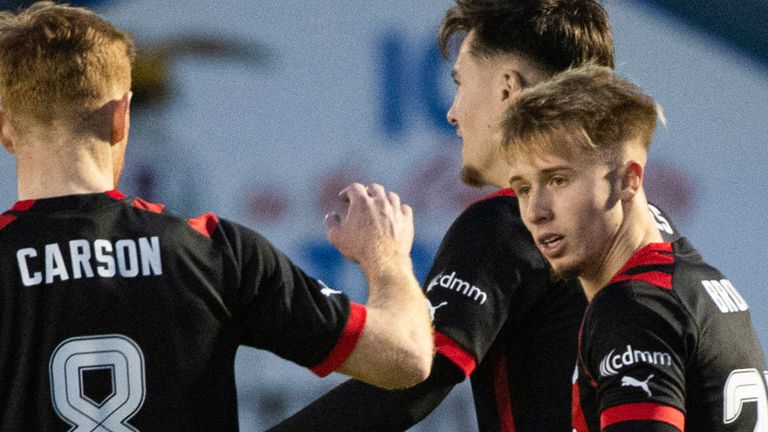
{"x":81,"y":258}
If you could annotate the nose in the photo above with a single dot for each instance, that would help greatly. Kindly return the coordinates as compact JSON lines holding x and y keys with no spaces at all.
{"x":451,"y":116}
{"x":539,"y":207}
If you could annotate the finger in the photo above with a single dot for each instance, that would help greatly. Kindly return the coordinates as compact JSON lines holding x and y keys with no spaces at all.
{"x":376,"y":190}
{"x":332,"y":220}
{"x":348,"y":194}
{"x":407,"y":211}
{"x":332,"y":224}
{"x":394,"y":200}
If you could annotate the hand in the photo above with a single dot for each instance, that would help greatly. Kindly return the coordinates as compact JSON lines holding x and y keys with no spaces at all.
{"x":376,"y":228}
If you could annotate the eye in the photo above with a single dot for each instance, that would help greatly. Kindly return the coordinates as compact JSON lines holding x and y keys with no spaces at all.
{"x":523,"y":190}
{"x":558,"y":181}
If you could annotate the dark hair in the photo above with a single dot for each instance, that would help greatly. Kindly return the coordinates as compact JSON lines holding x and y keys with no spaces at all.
{"x":556,"y":34}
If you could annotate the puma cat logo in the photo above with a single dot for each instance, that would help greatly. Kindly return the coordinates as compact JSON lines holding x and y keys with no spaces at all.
{"x":432,"y":309}
{"x":629,"y":381}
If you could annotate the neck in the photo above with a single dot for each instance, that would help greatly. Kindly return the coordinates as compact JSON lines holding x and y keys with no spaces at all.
{"x":637,"y":230}
{"x":63,"y":167}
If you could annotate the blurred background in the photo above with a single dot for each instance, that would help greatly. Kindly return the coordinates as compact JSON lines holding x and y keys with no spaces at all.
{"x":262,"y":111}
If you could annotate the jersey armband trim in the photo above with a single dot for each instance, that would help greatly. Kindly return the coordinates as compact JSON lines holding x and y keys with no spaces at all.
{"x":645,"y":411}
{"x":346,"y":343}
{"x":455,"y":353}
{"x":204,"y":224}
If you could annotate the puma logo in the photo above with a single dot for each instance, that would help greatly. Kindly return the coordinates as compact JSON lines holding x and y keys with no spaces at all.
{"x":629,"y":381}
{"x":432,"y":309}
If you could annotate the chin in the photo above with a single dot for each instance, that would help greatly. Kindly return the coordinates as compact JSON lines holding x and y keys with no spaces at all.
{"x":563,"y":270}
{"x":471,"y":176}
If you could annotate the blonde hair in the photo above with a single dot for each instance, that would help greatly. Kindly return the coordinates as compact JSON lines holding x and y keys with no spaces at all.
{"x":59,"y":63}
{"x":587,"y":110}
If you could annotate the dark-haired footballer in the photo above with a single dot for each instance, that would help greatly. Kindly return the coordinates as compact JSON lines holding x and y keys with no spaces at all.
{"x":499,"y":317}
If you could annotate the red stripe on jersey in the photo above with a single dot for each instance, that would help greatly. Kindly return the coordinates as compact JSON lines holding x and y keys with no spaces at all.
{"x":651,"y":254}
{"x":646,"y":411}
{"x":346,"y":343}
{"x":578,"y":421}
{"x":455,"y":353}
{"x":148,"y":206}
{"x":659,"y":279}
{"x":204,"y":224}
{"x":23,"y":205}
{"x":509,"y":192}
{"x":115,"y":194}
{"x":501,"y":390}
{"x":503,"y":192}
{"x":6,"y":219}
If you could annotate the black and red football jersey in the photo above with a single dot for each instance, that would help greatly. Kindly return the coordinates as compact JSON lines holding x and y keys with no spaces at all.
{"x":115,"y":315}
{"x":505,"y":321}
{"x":669,"y":345}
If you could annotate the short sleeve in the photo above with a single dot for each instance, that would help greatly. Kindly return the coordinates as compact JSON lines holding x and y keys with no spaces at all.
{"x":286,"y":311}
{"x":636,"y":347}
{"x":473,"y":284}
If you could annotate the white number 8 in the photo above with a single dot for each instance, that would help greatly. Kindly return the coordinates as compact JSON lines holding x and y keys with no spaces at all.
{"x":746,"y":385}
{"x":76,"y":355}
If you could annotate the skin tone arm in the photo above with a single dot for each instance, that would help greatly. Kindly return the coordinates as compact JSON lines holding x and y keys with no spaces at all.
{"x":396,"y":347}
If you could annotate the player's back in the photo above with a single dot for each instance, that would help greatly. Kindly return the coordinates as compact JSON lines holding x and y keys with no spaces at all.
{"x":114,"y":313}
{"x":671,"y":340}
{"x":725,"y":376}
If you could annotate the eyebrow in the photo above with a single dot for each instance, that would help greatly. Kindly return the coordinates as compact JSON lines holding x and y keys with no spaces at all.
{"x":543,"y":173}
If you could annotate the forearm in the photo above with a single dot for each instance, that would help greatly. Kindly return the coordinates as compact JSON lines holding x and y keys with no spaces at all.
{"x":396,"y":347}
{"x":355,"y":406}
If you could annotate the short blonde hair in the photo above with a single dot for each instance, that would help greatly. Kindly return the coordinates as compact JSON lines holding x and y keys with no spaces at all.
{"x":587,"y":111}
{"x":59,"y":62}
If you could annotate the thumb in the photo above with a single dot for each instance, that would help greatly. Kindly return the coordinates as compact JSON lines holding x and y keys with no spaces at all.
{"x":332,"y":223}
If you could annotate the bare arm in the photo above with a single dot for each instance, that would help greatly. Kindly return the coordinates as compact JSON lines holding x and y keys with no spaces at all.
{"x":396,"y":347}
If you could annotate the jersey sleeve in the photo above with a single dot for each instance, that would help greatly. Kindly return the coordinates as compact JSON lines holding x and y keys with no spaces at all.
{"x":636,"y":343}
{"x":286,"y":311}
{"x":472,"y":287}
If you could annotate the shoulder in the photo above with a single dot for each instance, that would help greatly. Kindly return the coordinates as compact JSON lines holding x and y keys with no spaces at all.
{"x":496,"y":213}
{"x":493,"y":229}
{"x":502,"y":201}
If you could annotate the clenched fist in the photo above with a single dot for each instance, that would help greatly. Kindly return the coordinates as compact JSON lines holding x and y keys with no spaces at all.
{"x":376,"y":229}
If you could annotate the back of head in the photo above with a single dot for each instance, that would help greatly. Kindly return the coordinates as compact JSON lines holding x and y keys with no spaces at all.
{"x":59,"y":64}
{"x":555,"y":34}
{"x":582,"y":111}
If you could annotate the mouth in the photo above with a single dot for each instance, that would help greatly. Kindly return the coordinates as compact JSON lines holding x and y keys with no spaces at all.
{"x":550,"y":244}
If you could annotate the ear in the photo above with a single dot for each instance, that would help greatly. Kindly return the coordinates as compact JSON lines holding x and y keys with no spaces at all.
{"x":5,"y":135}
{"x":512,"y":83}
{"x":631,"y":179}
{"x":121,"y":118}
